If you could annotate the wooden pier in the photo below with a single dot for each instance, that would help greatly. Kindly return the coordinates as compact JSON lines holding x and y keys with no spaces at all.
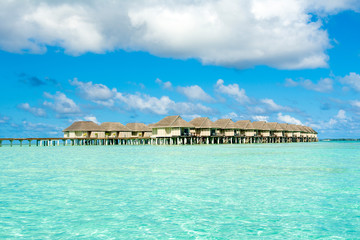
{"x":181,"y":140}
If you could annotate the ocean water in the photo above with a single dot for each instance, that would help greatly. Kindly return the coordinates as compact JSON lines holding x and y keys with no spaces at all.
{"x":258,"y":191}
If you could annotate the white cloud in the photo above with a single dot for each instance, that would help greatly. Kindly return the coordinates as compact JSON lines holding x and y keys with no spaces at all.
{"x":232,"y":90}
{"x":341,"y":115}
{"x":4,"y":119}
{"x":231,"y":115}
{"x":323,"y":85}
{"x":61,"y":104}
{"x":162,"y":106}
{"x":97,"y":93}
{"x":288,"y":119}
{"x":355,"y":103}
{"x":195,"y":93}
{"x":39,"y":112}
{"x":91,"y":118}
{"x":260,"y":118}
{"x":352,"y":80}
{"x":272,"y":106}
{"x":231,"y":33}
{"x":165,"y":85}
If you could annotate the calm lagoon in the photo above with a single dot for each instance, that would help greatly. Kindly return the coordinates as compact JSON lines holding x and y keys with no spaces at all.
{"x":258,"y":191}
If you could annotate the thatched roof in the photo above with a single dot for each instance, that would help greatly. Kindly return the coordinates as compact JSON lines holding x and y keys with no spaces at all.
{"x":274,"y":126}
{"x":83,"y":126}
{"x":244,"y":124}
{"x":260,"y":125}
{"x":202,"y":122}
{"x":114,"y":127}
{"x":286,"y":127}
{"x":308,"y":129}
{"x":302,"y":128}
{"x":225,"y":124}
{"x":138,"y":127}
{"x":312,"y":130}
{"x":172,"y":121}
{"x":294,"y":128}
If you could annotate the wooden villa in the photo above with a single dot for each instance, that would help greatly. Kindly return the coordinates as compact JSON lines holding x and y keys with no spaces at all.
{"x":225,"y":127}
{"x":84,"y":129}
{"x":115,"y":130}
{"x":202,"y":127}
{"x":175,"y":130}
{"x":139,"y":130}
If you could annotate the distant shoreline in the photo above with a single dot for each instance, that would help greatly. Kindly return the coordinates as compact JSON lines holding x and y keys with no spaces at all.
{"x":338,"y":139}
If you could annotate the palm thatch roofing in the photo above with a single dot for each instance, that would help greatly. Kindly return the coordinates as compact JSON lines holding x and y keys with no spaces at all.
{"x":294,"y":128}
{"x":286,"y":127}
{"x":244,"y":124}
{"x":226,"y":123}
{"x":138,"y":127}
{"x":261,"y":125}
{"x":114,"y":127}
{"x":312,"y":130}
{"x":202,"y":122}
{"x":308,"y":129}
{"x":83,"y":126}
{"x":172,"y":121}
{"x":302,"y":128}
{"x":274,"y":126}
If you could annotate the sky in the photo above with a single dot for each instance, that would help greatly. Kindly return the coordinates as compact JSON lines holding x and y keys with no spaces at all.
{"x":292,"y":61}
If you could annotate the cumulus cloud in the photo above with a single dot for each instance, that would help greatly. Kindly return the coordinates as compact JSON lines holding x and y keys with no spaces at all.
{"x":39,"y":112}
{"x":91,"y":118}
{"x":260,"y":118}
{"x":272,"y":106}
{"x":165,"y":85}
{"x":355,"y":103}
{"x":230,"y":33}
{"x":352,"y":80}
{"x":162,"y":106}
{"x":97,"y":93}
{"x":288,"y":119}
{"x":232,"y":115}
{"x":61,"y":104}
{"x":195,"y":93}
{"x":323,"y":85}
{"x":341,"y":115}
{"x":232,"y":90}
{"x":4,"y":119}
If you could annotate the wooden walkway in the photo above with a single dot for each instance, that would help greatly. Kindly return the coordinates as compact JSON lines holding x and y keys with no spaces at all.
{"x":183,"y":140}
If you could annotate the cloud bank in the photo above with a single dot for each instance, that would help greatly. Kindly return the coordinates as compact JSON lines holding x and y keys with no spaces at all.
{"x":230,"y":33}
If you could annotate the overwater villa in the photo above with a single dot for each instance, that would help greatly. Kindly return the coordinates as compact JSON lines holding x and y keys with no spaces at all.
{"x":225,"y":127}
{"x":203,"y":127}
{"x":246,"y":128}
{"x":201,"y":130}
{"x":139,"y":130}
{"x":171,"y":126}
{"x":84,"y":129}
{"x":115,"y":130}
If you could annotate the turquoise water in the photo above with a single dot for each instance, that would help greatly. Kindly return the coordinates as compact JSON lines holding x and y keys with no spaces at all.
{"x":269,"y":191}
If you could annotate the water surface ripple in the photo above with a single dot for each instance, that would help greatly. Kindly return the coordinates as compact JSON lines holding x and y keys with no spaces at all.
{"x":269,"y":191}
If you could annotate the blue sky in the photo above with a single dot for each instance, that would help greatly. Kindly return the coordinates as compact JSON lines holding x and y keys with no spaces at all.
{"x":137,"y":61}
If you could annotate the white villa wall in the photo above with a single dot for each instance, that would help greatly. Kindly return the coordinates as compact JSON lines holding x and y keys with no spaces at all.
{"x":175,"y":132}
{"x":249,"y":133}
{"x":229,"y":132}
{"x":278,"y":134}
{"x":288,"y":134}
{"x":97,"y":135}
{"x":124,"y":134}
{"x":205,"y":132}
{"x":296,"y":134}
{"x":265,"y":133}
